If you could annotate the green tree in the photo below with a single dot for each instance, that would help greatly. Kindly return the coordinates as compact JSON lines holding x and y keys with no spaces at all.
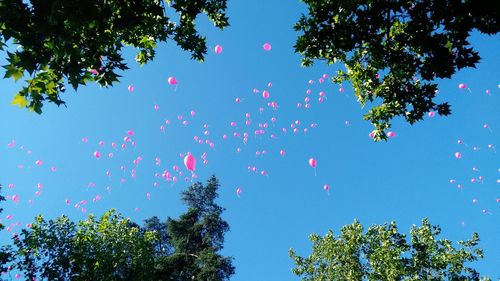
{"x":109,"y":248}
{"x":63,"y":42}
{"x":196,"y":239}
{"x":161,"y":245}
{"x":382,"y":253}
{"x":393,"y":51}
{"x":4,"y":251}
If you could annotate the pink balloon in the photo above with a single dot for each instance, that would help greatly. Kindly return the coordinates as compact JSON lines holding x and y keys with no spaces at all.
{"x":431,"y":114}
{"x":238,"y":191}
{"x":190,"y":162}
{"x":282,"y":152}
{"x":391,"y":134}
{"x":97,"y":154}
{"x":267,"y":47}
{"x":238,"y":100}
{"x":265,"y":94}
{"x":326,"y":187}
{"x":39,"y":162}
{"x":218,"y":49}
{"x":312,"y":162}
{"x":172,"y":81}
{"x":462,"y":86}
{"x":458,"y":155}
{"x":130,"y":88}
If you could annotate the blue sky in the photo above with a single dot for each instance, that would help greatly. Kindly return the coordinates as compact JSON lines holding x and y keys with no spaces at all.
{"x":404,"y":179}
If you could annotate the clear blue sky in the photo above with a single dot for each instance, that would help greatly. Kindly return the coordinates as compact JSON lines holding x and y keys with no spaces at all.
{"x":405,"y":179}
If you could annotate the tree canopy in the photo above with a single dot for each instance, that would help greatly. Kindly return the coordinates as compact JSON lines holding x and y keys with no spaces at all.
{"x":4,"y":252}
{"x":110,"y":248}
{"x":393,"y":51}
{"x":62,"y":42}
{"x":382,"y":253}
{"x":115,"y":248}
{"x":196,"y":238}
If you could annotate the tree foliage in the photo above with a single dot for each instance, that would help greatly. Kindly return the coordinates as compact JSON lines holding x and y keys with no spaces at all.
{"x":64,"y":42}
{"x":109,"y":248}
{"x":4,"y":251}
{"x":114,"y":248}
{"x":393,"y":51}
{"x":196,"y":238}
{"x":382,"y":253}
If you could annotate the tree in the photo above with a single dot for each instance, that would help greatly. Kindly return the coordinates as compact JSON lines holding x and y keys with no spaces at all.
{"x":382,"y":253}
{"x":63,"y":42}
{"x":196,"y":239}
{"x":162,"y":246}
{"x":110,"y":248}
{"x":4,"y":251}
{"x":114,"y":248}
{"x":393,"y":51}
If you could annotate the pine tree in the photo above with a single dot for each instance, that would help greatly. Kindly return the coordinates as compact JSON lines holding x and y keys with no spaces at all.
{"x":197,"y":238}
